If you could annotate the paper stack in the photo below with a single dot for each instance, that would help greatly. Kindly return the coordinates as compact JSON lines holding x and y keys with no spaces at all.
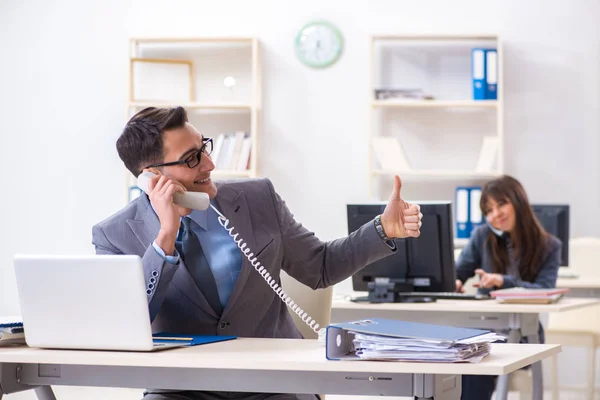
{"x":528,"y":296}
{"x":11,"y":331}
{"x":390,"y":340}
{"x":375,"y":347}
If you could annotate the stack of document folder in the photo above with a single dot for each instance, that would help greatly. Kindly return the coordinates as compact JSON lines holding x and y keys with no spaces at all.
{"x":11,"y":331}
{"x":528,"y":296}
{"x":390,"y":340}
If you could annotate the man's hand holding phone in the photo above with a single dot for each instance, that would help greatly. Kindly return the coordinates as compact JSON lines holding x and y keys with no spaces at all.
{"x":161,"y":190}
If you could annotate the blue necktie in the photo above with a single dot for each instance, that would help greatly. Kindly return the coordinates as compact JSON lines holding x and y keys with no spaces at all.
{"x":191,"y":251}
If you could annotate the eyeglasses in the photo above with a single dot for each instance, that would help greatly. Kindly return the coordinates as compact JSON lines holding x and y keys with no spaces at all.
{"x":193,"y":159}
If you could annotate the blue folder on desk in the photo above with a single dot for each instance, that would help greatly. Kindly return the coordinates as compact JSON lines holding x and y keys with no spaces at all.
{"x":188,"y":340}
{"x":339,"y":339}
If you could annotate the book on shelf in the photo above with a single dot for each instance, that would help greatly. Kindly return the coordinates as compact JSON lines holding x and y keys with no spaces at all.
{"x":401,"y":94}
{"x":232,"y":151}
{"x":389,"y":154}
{"x":217,"y":146}
{"x":244,"y":154}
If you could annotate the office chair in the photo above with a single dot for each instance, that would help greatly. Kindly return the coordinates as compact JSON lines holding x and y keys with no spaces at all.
{"x":317,"y":303}
{"x":578,"y":328}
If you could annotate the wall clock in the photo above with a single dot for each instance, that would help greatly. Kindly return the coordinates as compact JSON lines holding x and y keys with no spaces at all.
{"x":319,"y":44}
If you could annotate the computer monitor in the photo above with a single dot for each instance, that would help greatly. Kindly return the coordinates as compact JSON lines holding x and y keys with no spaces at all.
{"x":555,"y":220}
{"x":426,"y":263}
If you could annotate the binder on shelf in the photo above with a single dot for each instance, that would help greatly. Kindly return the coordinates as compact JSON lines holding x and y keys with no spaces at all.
{"x":475,"y":214}
{"x":385,"y":339}
{"x":463,"y":228}
{"x":188,"y":340}
{"x":491,"y":74}
{"x":478,"y":69}
{"x":467,"y":211}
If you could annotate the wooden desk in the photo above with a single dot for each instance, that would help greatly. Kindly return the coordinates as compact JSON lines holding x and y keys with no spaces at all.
{"x":520,"y":320}
{"x":255,"y":365}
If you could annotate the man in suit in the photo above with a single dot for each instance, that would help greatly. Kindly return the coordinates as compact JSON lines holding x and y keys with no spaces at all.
{"x":198,"y":281}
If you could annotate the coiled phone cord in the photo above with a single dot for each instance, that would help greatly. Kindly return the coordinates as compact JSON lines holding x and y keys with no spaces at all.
{"x":307,"y":319}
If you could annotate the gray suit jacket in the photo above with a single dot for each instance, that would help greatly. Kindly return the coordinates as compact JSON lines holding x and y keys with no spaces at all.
{"x":267,"y":226}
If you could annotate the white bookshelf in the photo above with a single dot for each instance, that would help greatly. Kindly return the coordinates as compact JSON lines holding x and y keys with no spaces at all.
{"x":436,"y":174}
{"x":441,"y":138}
{"x":195,"y":106}
{"x":434,"y":104}
{"x":216,"y":79}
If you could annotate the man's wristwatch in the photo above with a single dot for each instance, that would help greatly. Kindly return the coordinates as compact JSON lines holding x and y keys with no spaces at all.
{"x":381,"y":232}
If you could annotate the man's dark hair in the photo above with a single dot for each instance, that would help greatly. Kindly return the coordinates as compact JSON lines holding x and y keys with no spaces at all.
{"x":141,"y":142}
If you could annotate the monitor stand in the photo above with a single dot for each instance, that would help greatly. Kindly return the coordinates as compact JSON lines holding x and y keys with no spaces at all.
{"x":383,"y":290}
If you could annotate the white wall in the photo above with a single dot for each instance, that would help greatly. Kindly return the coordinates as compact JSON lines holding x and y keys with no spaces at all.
{"x":63,"y":91}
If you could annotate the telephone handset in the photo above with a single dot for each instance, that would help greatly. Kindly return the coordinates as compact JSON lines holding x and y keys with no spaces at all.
{"x":195,"y":200}
{"x":496,"y":231}
{"x":201,"y":201}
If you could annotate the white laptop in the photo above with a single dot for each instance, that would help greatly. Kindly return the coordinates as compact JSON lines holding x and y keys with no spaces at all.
{"x":94,"y":302}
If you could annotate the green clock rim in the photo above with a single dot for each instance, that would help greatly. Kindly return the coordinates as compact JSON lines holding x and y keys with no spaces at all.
{"x":337,"y":33}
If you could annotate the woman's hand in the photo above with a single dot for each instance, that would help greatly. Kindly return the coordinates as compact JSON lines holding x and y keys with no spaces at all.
{"x":459,"y":286}
{"x":488,"y":280}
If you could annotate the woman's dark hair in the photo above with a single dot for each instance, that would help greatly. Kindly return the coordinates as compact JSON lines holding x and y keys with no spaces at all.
{"x":529,"y":238}
{"x":141,"y":142}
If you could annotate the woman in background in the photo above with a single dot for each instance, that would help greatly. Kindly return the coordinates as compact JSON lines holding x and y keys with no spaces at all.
{"x":511,"y":250}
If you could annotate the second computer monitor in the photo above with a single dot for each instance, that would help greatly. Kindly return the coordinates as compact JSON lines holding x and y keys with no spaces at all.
{"x":426,"y":262}
{"x":555,"y":220}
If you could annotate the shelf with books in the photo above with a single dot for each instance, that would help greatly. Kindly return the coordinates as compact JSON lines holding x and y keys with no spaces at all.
{"x":425,"y":121}
{"x":217,"y":80}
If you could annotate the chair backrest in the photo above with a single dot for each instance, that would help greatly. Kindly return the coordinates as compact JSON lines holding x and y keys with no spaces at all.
{"x":316,"y":303}
{"x":584,"y":253}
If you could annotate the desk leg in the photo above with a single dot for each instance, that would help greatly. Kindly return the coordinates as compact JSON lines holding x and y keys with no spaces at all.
{"x":437,"y":387}
{"x":536,"y":371}
{"x":44,"y":393}
{"x":11,"y":382}
{"x":514,"y":336}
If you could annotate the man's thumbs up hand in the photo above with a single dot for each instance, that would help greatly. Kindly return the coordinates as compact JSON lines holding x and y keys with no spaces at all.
{"x":401,"y":219}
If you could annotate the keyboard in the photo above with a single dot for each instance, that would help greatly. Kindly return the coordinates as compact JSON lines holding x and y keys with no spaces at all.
{"x":445,"y":295}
